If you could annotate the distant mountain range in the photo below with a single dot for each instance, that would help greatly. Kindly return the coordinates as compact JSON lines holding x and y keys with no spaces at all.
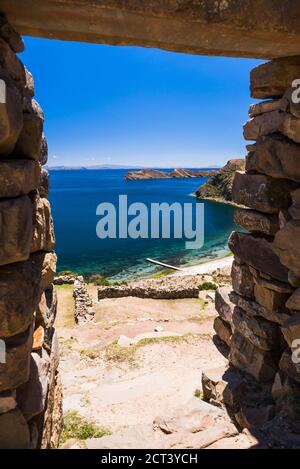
{"x":99,"y":166}
{"x":111,"y":166}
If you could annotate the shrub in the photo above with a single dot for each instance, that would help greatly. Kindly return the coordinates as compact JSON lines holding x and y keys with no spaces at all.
{"x":208,"y":286}
{"x":68,"y":273}
{"x":99,"y":280}
{"x":76,"y":426}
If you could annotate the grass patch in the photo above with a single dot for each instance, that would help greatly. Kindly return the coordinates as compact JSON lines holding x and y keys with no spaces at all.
{"x":68,"y":273}
{"x":92,"y":354}
{"x":198,"y":393}
{"x":115,"y":353}
{"x":208,"y":286}
{"x":99,"y":280}
{"x":78,"y":427}
{"x":163,"y":273}
{"x":67,"y":346}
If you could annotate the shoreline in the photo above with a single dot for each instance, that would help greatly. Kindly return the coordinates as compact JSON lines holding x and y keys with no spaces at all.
{"x":205,"y":267}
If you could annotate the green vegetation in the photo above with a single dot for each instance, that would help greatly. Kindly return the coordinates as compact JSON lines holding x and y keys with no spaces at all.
{"x":198,"y":393}
{"x":99,"y":280}
{"x":92,"y":354}
{"x":67,"y":273}
{"x":67,"y":346}
{"x":208,"y":286}
{"x":163,"y":273}
{"x":116,"y":353}
{"x":76,"y":426}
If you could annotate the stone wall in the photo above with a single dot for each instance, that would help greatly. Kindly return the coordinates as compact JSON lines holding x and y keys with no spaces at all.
{"x":30,"y":389}
{"x":260,"y":318}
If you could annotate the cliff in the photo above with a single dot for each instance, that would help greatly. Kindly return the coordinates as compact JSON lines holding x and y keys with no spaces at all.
{"x":176,"y":173}
{"x":219,"y":186}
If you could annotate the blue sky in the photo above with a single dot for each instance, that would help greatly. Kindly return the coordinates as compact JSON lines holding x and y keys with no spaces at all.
{"x":135,"y":106}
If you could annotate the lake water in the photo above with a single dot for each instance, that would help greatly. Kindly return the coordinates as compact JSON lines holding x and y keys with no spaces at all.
{"x":74,"y":196}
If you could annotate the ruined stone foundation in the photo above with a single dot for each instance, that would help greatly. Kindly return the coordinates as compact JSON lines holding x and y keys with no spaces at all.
{"x":259,"y":317}
{"x":30,"y":389}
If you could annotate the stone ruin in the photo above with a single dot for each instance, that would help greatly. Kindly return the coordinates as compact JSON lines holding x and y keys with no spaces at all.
{"x":84,"y":311}
{"x":258,"y":317}
{"x":30,"y":388}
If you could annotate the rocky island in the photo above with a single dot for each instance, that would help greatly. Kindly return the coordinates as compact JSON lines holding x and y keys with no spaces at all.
{"x":219,"y":186}
{"x":176,"y":173}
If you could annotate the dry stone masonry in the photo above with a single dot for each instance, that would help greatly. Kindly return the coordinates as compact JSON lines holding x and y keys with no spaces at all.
{"x":259,"y":317}
{"x":84,"y":311}
{"x":30,"y":389}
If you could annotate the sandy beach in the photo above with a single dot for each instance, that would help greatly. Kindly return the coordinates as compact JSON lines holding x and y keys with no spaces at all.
{"x":206,"y":267}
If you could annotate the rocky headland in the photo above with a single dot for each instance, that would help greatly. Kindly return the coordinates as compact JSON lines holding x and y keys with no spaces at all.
{"x":176,"y":173}
{"x":219,"y":187}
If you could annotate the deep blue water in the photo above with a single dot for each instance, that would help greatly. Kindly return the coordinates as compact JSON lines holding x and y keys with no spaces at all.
{"x":75,"y":195}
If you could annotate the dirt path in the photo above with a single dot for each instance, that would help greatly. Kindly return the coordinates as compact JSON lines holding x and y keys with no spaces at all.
{"x":123,"y":388}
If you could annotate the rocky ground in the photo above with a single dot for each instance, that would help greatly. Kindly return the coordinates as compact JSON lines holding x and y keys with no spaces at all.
{"x":131,"y":391}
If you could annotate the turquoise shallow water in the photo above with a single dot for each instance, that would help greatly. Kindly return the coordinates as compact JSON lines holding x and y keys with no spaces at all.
{"x":75,"y":195}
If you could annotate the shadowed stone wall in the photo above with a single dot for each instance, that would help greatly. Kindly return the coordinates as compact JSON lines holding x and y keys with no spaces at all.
{"x":30,"y":390}
{"x":260,"y":318}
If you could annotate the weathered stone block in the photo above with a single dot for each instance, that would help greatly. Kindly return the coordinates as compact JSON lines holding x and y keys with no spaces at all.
{"x":275,"y":156}
{"x":283,"y":387}
{"x":293,"y":302}
{"x":7,"y":401}
{"x":274,"y":285}
{"x":52,"y":418}
{"x":43,"y":232}
{"x":286,"y":247}
{"x":260,"y":364}
{"x":254,"y":417}
{"x":223,"y":305}
{"x":38,"y":339}
{"x":47,"y":308}
{"x":11,"y":119}
{"x":14,"y":433}
{"x":268,"y":106}
{"x":294,"y":279}
{"x":29,"y":88}
{"x":46,"y":263}
{"x":270,"y":299}
{"x":10,"y":62}
{"x":15,"y":371}
{"x":291,"y":329}
{"x":30,"y":139}
{"x":223,"y":386}
{"x":223,"y":330}
{"x":15,"y":229}
{"x":261,"y":192}
{"x":257,"y":251}
{"x":20,"y":292}
{"x":254,"y":221}
{"x":242,"y":280}
{"x":31,"y":396}
{"x":271,"y":79}
{"x":288,"y":366}
{"x":273,"y":122}
{"x":263,"y":334}
{"x":294,"y":210}
{"x":8,"y":33}
{"x":264,"y":124}
{"x":254,"y":309}
{"x":44,"y":186}
{"x":43,"y":158}
{"x":18,"y":177}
